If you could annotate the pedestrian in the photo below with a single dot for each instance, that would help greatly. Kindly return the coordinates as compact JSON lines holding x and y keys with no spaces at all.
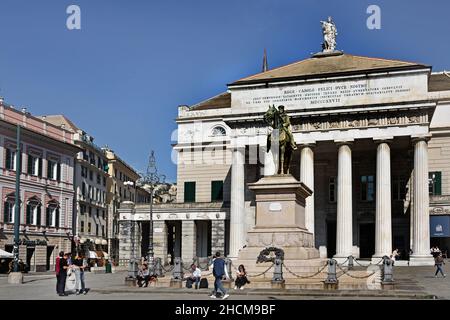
{"x":143,"y":276}
{"x":195,"y":276}
{"x":79,"y":274}
{"x":219,"y":270}
{"x":63,"y":274}
{"x":438,"y":262}
{"x":241,"y":278}
{"x":57,"y":270}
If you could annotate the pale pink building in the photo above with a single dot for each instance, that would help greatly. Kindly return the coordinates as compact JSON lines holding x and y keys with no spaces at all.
{"x":46,"y":187}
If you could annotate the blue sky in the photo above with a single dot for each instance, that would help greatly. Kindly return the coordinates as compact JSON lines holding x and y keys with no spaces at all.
{"x":122,"y":76}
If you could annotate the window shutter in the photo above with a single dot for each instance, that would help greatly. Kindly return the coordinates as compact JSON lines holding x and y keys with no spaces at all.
{"x":40,"y":167}
{"x":58,"y":171}
{"x":438,"y":183}
{"x":47,"y":217}
{"x":6,"y":209}
{"x":38,"y":215}
{"x":57,"y":218}
{"x":28,"y":221}
{"x":8,"y":159}
{"x":189,"y":192}
{"x":216,"y":190}
{"x":30,"y":165}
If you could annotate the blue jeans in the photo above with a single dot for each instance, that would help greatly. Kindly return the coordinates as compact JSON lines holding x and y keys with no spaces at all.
{"x":80,"y":280}
{"x":439,"y":269}
{"x":219,"y":286}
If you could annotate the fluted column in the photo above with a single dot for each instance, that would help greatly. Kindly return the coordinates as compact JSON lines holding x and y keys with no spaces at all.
{"x":383,"y":227}
{"x":237,"y":209}
{"x":344,"y":223}
{"x":270,"y":167}
{"x":307,"y":177}
{"x":421,"y":219}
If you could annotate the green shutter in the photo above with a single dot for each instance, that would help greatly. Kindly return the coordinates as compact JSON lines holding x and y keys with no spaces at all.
{"x":5,"y":210}
{"x":57,"y":218}
{"x":189,"y":192}
{"x":47,"y":217}
{"x":38,"y":215}
{"x":216,"y":190}
{"x":28,"y":221}
{"x":40,"y":167}
{"x":30,"y":165}
{"x":8,"y":159}
{"x":58,"y":171}
{"x":438,"y":183}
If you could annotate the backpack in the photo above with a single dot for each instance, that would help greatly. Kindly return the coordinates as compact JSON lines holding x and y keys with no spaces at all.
{"x":204,"y":283}
{"x":188,"y":283}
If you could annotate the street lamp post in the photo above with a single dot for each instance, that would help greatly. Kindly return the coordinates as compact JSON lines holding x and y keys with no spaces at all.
{"x":132,"y":224}
{"x":151,"y":179}
{"x":17,"y":203}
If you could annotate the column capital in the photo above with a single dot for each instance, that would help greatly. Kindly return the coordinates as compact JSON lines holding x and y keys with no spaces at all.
{"x":342,"y":142}
{"x":309,"y":144}
{"x":387,"y":140}
{"x":420,"y":137}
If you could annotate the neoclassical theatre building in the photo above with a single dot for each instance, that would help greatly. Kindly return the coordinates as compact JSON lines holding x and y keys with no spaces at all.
{"x":373,"y":138}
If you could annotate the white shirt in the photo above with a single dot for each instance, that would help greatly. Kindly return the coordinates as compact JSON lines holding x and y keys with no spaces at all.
{"x":197,"y":273}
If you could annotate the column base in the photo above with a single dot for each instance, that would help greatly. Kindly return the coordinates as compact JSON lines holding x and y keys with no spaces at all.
{"x":425,"y":260}
{"x":15,"y":278}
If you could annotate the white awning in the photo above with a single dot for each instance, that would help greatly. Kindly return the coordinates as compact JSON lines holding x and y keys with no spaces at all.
{"x":5,"y":254}
{"x":93,"y":255}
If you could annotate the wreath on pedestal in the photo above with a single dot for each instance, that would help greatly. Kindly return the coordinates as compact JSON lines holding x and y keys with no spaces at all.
{"x":265,"y":256}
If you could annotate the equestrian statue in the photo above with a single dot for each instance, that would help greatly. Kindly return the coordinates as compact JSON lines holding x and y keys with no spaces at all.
{"x":279,"y":121}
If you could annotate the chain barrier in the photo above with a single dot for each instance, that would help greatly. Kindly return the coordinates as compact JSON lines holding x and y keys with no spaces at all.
{"x":170,"y":269}
{"x":304,"y":277}
{"x":353,"y":276}
{"x":260,"y":274}
{"x":361,"y":265}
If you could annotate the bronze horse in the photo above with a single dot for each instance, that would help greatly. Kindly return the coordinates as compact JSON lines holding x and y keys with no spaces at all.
{"x":279,"y":121}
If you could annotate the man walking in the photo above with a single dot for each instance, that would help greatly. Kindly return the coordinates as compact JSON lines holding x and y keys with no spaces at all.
{"x":438,"y":261}
{"x":219,"y":270}
{"x":63,"y":266}
{"x":57,"y":270}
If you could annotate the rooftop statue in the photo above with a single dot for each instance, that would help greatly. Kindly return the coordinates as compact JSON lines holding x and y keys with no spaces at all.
{"x":329,"y":35}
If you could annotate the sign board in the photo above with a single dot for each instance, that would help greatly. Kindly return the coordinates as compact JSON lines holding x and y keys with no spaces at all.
{"x":440,"y":226}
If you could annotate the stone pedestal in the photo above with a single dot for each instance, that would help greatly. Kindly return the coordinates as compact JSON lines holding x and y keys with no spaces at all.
{"x":15,"y":278}
{"x":280,"y":222}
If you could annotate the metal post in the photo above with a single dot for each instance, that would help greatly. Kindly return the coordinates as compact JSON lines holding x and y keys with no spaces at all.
{"x":178,"y":269}
{"x":278,"y":270}
{"x":350,"y":262}
{"x":132,"y":263}
{"x":150,"y":244}
{"x":331,"y":279}
{"x":17,"y":204}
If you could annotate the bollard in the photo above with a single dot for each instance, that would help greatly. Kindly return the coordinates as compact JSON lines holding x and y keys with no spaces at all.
{"x":387,"y":271}
{"x":350,"y":262}
{"x":331,"y":279}
{"x":278,"y":270}
{"x":158,"y":268}
{"x":178,"y":269}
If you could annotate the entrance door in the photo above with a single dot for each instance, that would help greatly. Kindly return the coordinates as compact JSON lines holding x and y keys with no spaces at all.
{"x":49,"y":255}
{"x":173,"y":239}
{"x":30,"y":259}
{"x":366,"y":240}
{"x":203,"y":240}
{"x":331,"y":238}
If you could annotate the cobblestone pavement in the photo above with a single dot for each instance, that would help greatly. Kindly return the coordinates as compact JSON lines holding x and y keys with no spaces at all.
{"x":409,"y":281}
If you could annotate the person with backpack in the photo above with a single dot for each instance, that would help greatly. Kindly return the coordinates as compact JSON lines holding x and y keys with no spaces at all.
{"x":219,"y":270}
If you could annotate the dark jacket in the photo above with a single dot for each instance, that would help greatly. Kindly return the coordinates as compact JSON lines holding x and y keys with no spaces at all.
{"x":219,"y":267}
{"x":439,"y":261}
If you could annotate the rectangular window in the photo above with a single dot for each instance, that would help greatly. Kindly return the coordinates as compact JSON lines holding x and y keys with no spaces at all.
{"x":98,"y":212}
{"x":99,"y":179}
{"x":435,"y":183}
{"x":115,"y":173}
{"x":332,"y":189}
{"x":83,"y":189}
{"x":104,"y":181}
{"x":91,"y":175}
{"x":11,"y":159}
{"x":82,"y":209}
{"x":189,"y":192}
{"x":85,"y":155}
{"x":34,"y":166}
{"x":9,"y":209}
{"x":367,"y":188}
{"x":89,"y":227}
{"x":96,"y":229}
{"x":103,"y":214}
{"x":92,"y":158}
{"x":90,"y":192}
{"x":216,"y":190}
{"x":82,"y":226}
{"x":54,"y":170}
{"x":90,"y":211}
{"x":103,"y":231}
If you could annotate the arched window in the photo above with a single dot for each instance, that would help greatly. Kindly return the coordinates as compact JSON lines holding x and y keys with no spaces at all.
{"x":33,"y":211}
{"x":218,"y":131}
{"x":9,"y":208}
{"x":52,"y":214}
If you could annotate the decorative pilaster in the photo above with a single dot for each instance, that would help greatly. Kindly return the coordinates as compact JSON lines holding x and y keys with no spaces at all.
{"x":237,"y":205}
{"x":189,"y":243}
{"x":344,"y":223}
{"x":383,"y":228}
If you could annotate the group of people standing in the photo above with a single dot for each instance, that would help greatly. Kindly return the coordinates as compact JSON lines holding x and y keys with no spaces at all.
{"x":74,"y":269}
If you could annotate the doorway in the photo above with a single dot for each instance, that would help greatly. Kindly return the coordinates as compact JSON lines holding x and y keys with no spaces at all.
{"x":331,"y":238}
{"x":49,"y":255}
{"x":203,"y":239}
{"x":173,"y":239}
{"x":366,"y":240}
